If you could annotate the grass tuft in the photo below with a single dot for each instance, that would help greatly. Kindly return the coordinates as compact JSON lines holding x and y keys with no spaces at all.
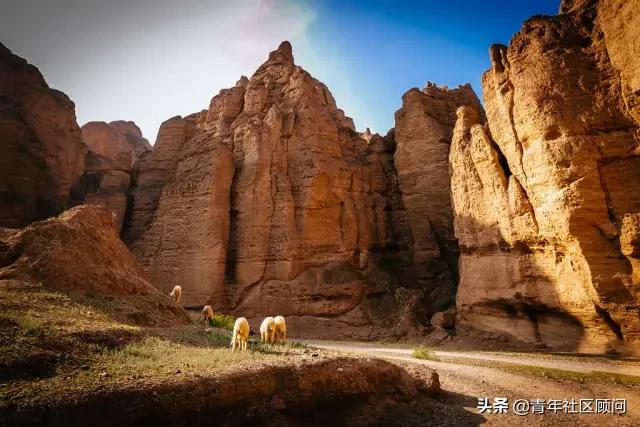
{"x":29,"y":324}
{"x":425,"y":353}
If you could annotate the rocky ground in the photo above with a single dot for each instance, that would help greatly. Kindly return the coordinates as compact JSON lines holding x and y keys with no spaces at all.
{"x":467,"y":376}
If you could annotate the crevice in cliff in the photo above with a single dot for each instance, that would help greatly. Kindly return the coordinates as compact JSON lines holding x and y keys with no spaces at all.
{"x":608,"y":320}
{"x":508,"y":90}
{"x":231,"y":258}
{"x":532,"y":316}
{"x":231,"y":255}
{"x":273,"y":173}
{"x":502,"y":159}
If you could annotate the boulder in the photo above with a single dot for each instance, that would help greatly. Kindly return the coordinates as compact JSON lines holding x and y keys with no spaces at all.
{"x":443,"y":320}
{"x":132,"y":133}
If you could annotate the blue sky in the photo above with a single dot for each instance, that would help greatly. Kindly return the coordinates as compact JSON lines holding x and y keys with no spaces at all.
{"x":384,"y":48}
{"x":149,"y":60}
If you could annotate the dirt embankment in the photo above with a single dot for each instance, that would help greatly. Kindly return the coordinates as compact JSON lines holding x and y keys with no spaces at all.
{"x":310,"y":389}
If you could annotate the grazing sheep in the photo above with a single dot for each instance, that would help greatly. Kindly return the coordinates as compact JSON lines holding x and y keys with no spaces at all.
{"x":280,"y":332}
{"x":267,"y":330}
{"x":240,"y":334}
{"x":176,"y":293}
{"x":207,"y":313}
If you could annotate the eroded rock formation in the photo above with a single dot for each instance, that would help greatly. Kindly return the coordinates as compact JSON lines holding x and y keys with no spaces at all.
{"x":544,"y":195}
{"x":424,"y":127}
{"x":111,"y":151}
{"x":270,"y":202}
{"x":42,"y":154}
{"x":138,"y":144}
{"x":77,"y":251}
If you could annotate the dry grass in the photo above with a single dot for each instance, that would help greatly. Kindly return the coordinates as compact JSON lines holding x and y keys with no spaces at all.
{"x":158,"y":357}
{"x":600,"y":377}
{"x":54,"y":345}
{"x":425,"y":353}
{"x":561,"y":374}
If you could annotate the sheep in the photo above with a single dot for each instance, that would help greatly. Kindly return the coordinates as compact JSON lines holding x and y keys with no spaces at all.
{"x":176,"y":293}
{"x":207,"y":313}
{"x":280,"y":332}
{"x":267,"y":330}
{"x":240,"y":334}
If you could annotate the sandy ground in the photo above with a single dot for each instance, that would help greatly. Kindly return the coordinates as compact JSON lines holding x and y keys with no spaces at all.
{"x":463,"y":385}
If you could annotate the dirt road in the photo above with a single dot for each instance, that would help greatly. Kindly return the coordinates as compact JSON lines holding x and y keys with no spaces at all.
{"x":463,"y":385}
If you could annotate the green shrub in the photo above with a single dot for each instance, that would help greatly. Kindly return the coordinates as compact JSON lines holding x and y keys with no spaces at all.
{"x":29,"y":324}
{"x":222,"y":321}
{"x":424,"y":353}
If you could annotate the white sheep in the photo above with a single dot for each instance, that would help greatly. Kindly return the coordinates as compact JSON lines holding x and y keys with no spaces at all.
{"x":176,"y":293}
{"x":207,"y":313}
{"x":240,"y":334}
{"x":267,"y":330}
{"x":280,"y":332}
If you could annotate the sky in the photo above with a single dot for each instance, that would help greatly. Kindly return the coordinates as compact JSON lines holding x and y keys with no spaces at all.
{"x":149,"y":60}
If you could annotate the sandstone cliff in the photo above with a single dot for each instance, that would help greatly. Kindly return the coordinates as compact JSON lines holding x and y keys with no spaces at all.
{"x":138,"y":144}
{"x":424,"y":127}
{"x":544,"y":195}
{"x":111,"y":152}
{"x":270,"y":202}
{"x":42,"y":154}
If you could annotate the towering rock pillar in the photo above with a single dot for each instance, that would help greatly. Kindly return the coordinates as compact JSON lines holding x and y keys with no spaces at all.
{"x":270,"y":202}
{"x":424,"y":127}
{"x":545,"y":195}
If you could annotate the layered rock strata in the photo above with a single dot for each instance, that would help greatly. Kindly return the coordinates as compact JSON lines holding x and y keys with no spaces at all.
{"x":544,"y":198}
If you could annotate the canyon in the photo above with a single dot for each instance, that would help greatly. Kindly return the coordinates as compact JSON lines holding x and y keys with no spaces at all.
{"x":520,"y":218}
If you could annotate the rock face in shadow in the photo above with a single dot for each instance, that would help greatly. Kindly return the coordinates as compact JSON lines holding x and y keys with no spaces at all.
{"x":544,"y":195}
{"x":111,"y":151}
{"x":78,"y":250}
{"x":333,"y":390}
{"x":270,"y":202}
{"x":42,"y":153}
{"x":108,"y":160}
{"x":424,"y":127}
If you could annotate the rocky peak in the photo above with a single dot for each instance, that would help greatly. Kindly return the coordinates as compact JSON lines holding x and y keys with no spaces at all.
{"x":108,"y":144}
{"x":243,"y":82}
{"x":424,"y":128}
{"x":284,"y":53}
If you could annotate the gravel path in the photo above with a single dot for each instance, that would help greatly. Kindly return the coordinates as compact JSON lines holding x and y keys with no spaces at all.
{"x":584,"y":365}
{"x":463,"y":385}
